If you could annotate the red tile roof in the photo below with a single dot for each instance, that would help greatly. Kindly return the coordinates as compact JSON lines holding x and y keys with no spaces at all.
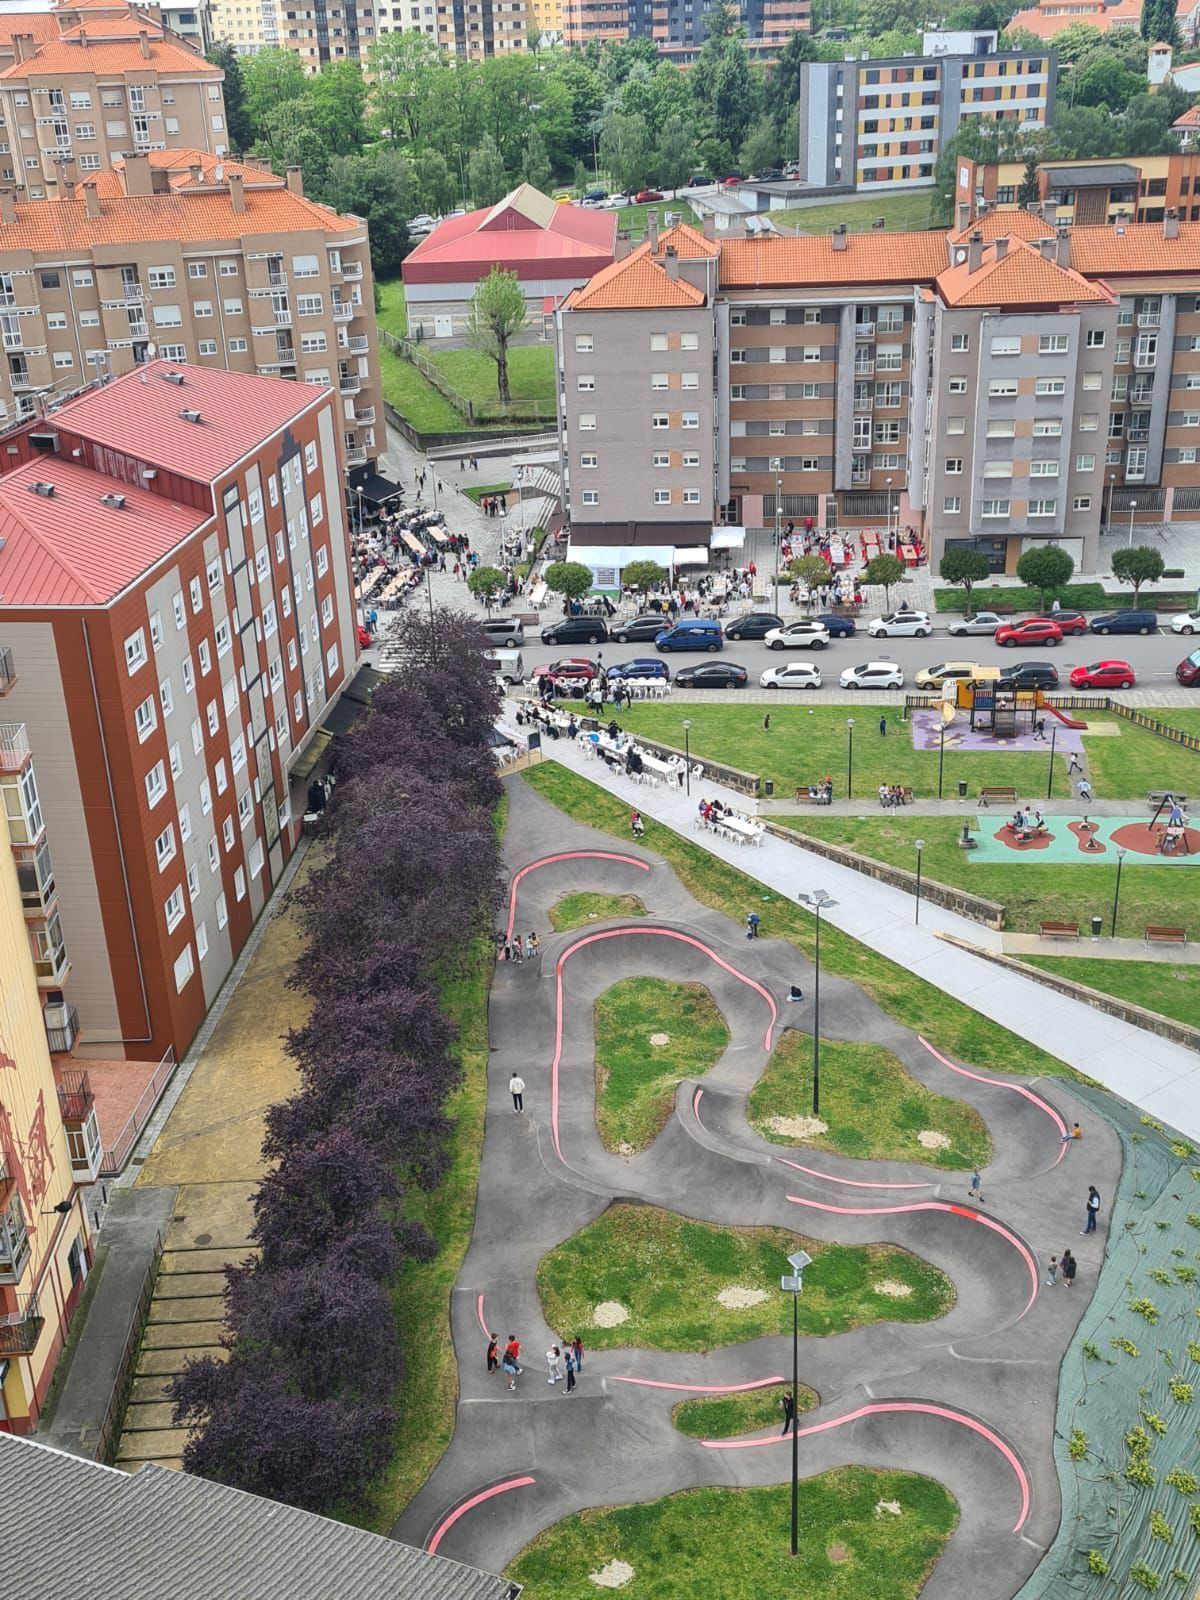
{"x":810,"y":260}
{"x":111,"y":58}
{"x":1021,"y":277}
{"x":1189,"y":119}
{"x":637,"y":283}
{"x":1138,"y":249}
{"x":54,"y":226}
{"x":573,"y":243}
{"x":1006,"y":224}
{"x":43,"y":25}
{"x":178,"y":164}
{"x":689,"y":242}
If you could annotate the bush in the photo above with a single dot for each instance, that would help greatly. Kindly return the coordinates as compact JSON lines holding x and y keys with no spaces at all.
{"x":994,"y":597}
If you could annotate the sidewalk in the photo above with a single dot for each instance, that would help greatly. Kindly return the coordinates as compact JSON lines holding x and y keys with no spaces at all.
{"x":1161,"y":1077}
{"x":1088,"y":949}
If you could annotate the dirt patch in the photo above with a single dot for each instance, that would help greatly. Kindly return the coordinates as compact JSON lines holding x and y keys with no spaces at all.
{"x":736,"y":1298}
{"x":614,"y":1576}
{"x":837,"y":1553}
{"x":889,"y":1507}
{"x":610,"y":1314}
{"x":625,"y":1149}
{"x":932,"y":1140}
{"x":798,"y":1127}
{"x":659,"y":1039}
{"x":893,"y":1289}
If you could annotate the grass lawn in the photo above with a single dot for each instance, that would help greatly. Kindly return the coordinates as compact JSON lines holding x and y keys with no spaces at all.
{"x":392,"y":313}
{"x":731,"y":1544}
{"x":635,"y":1077}
{"x":415,"y":398}
{"x":1162,"y":986}
{"x":904,"y":213}
{"x":478,"y":493}
{"x":1185,"y":721}
{"x":953,"y":1027}
{"x":1129,"y":764}
{"x":632,"y":219}
{"x":725,"y":1416}
{"x":530,"y":373}
{"x":667,"y":1273}
{"x":577,"y":910}
{"x":806,"y":742}
{"x":1029,"y":892}
{"x":873,"y":1107}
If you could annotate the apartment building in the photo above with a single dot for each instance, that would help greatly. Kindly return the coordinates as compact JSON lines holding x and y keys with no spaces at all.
{"x":679,"y":27}
{"x":875,"y":124}
{"x":344,"y":30}
{"x":1137,"y":188}
{"x":1001,"y":384}
{"x":220,"y":265}
{"x":248,"y":25}
{"x":178,"y":613}
{"x":107,"y":88}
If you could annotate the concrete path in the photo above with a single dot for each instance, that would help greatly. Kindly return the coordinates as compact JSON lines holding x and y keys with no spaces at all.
{"x":1153,"y":1073}
{"x":968,"y":1399}
{"x":1031,"y":944}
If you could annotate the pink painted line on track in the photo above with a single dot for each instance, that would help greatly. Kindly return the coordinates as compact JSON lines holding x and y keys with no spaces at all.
{"x":701,"y":1388}
{"x":564,"y":855}
{"x":696,"y":1099}
{"x":479,"y":1316}
{"x":852,"y":1183}
{"x":1002,"y":1083}
{"x":634,"y":933}
{"x":443,"y":1527}
{"x":882,"y":1407}
{"x":936,"y":1205}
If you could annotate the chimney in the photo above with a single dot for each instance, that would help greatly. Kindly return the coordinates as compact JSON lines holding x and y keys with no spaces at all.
{"x":624,"y":246}
{"x":23,"y":44}
{"x":1050,"y":211}
{"x":838,"y":236}
{"x":652,"y":231}
{"x":1062,"y":246}
{"x":138,"y":178}
{"x":672,"y":261}
{"x":144,"y":42}
{"x":67,"y":175}
{"x":195,"y":173}
{"x":160,"y":181}
{"x":295,"y":180}
{"x":962,"y":215}
{"x":1046,"y":247}
{"x":91,"y":201}
{"x":1170,"y":223}
{"x":975,"y":251}
{"x":1001,"y":245}
{"x":8,"y":206}
{"x":83,"y":38}
{"x":710,"y":226}
{"x":237,"y":191}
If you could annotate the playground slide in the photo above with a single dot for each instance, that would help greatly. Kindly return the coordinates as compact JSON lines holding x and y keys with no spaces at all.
{"x":949,"y":703}
{"x":1067,"y":722}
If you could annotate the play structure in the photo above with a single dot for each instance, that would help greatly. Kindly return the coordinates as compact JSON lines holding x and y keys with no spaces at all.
{"x":998,"y":707}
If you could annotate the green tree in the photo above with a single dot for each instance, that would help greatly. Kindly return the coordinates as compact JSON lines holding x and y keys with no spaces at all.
{"x":270,"y":78}
{"x":1139,"y":564}
{"x":1160,"y":22}
{"x":486,"y":173}
{"x":436,"y":185}
{"x":1076,"y":41}
{"x":676,"y":157}
{"x":625,"y":151}
{"x":407,"y":69}
{"x":336,"y":106}
{"x":571,"y":579}
{"x":760,"y":151}
{"x":884,"y":570}
{"x":1082,"y":133}
{"x":498,"y":313}
{"x":1029,"y":193}
{"x":241,"y":133}
{"x":535,"y":163}
{"x":642,"y":575}
{"x":782,"y":91}
{"x":376,"y":185}
{"x":965,"y":567}
{"x":485,"y":583}
{"x":728,"y":96}
{"x":1103,"y":81}
{"x":290,"y":140}
{"x":811,"y":571}
{"x":1046,"y":567}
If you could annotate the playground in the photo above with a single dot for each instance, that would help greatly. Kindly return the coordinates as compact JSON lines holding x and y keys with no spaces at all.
{"x":1068,"y":841}
{"x":961,"y":735}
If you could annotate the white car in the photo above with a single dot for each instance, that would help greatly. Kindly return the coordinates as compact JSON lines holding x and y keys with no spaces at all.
{"x":901,"y":625}
{"x":798,"y":635}
{"x":794,"y":675}
{"x":982,"y":622}
{"x":421,"y":224}
{"x":873,"y":675}
{"x":1186,"y":622}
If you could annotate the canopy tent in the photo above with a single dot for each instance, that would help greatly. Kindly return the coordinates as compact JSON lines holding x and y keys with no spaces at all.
{"x":727,"y":539}
{"x":693,"y":555}
{"x":373,"y":487}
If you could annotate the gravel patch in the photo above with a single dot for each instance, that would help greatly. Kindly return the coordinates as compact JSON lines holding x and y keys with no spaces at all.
{"x":893,"y":1289}
{"x":610,"y":1314}
{"x":798,"y":1127}
{"x":932,"y":1140}
{"x":660,"y":1039}
{"x":614,"y":1576}
{"x":891,"y":1507}
{"x":735,"y":1298}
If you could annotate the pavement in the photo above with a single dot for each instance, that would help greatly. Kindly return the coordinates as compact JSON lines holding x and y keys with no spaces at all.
{"x":968,"y":1399}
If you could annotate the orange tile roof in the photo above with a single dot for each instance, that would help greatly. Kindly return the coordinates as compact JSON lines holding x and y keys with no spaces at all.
{"x":689,"y":242}
{"x":811,"y":260}
{"x":111,"y":59}
{"x":637,"y":283}
{"x":1005,"y":224}
{"x":178,"y":164}
{"x":1140,"y":248}
{"x":123,"y":26}
{"x":1021,"y":277}
{"x":1189,"y":119}
{"x":43,"y":25}
{"x":51,"y":226}
{"x":1044,"y":25}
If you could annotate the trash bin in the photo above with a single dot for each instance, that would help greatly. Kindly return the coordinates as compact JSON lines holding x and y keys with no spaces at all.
{"x":768,"y":787}
{"x":1097,"y":925}
{"x":962,"y":788}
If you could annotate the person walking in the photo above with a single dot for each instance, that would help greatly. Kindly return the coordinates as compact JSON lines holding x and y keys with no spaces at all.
{"x":569,"y":1363}
{"x":518,"y":949}
{"x":767,"y":723}
{"x":577,"y":1352}
{"x":533,"y":945}
{"x":493,"y":1357}
{"x":636,"y":826}
{"x":883,"y":726}
{"x":1074,"y":764}
{"x":788,"y":1405}
{"x":512,"y":1361}
{"x":1067,"y":1267}
{"x":1093,"y":1210}
{"x":1052,"y":1272}
{"x":752,"y":922}
{"x":553,"y":1365}
{"x":976,"y":1188}
{"x":516,"y":1088}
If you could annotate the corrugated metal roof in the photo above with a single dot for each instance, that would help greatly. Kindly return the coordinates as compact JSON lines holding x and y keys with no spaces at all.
{"x":92,"y":1533}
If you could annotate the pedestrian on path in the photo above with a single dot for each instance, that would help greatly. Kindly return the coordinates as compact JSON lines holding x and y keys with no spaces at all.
{"x":1093,"y":1210}
{"x":516,"y":1088}
{"x":795,"y":993}
{"x":493,"y":1358}
{"x":518,"y":949}
{"x":533,"y":945}
{"x":976,"y":1188}
{"x":752,"y":922}
{"x":789,"y":1411}
{"x":636,"y":826}
{"x":512,"y":1361}
{"x":1074,"y":1132}
{"x":577,"y":1352}
{"x":553,"y":1356}
{"x":1084,"y":790}
{"x":1052,"y":1272}
{"x":767,"y":723}
{"x":1074,"y":764}
{"x":569,"y":1362}
{"x":1068,"y":1265}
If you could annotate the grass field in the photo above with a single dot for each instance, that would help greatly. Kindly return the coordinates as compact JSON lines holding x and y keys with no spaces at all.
{"x":1130,"y":763}
{"x":903,"y":213}
{"x":632,"y":219}
{"x":873,"y":1107}
{"x":473,"y":374}
{"x":725,"y":1416}
{"x":1162,"y":986}
{"x":953,"y":1027}
{"x":392,"y":313}
{"x":636,"y":1077}
{"x":577,"y":910}
{"x":415,"y":398}
{"x":731,"y":1544}
{"x":477,"y":493}
{"x":667,"y":1273}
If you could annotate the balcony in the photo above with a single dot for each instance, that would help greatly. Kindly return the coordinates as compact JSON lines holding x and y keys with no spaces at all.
{"x":277,"y":280}
{"x":14,"y":341}
{"x":349,"y":383}
{"x":863,"y":369}
{"x":283,"y":318}
{"x":62,"y":1028}
{"x":8,"y":673}
{"x":21,"y":1330}
{"x":75,"y":1097}
{"x":342,"y":312}
{"x":864,"y":330}
{"x":1138,"y":435}
{"x":358,"y":344}
{"x":1149,"y":319}
{"x":1145,"y":359}
{"x":14,"y":746}
{"x":14,"y":1233}
{"x":139,"y":330}
{"x":352,"y":271}
{"x":1141,"y":394}
{"x":355,"y":457}
{"x":364,"y":416}
{"x":77,"y":1105}
{"x":131,"y":293}
{"x":7,"y":299}
{"x":286,"y":356}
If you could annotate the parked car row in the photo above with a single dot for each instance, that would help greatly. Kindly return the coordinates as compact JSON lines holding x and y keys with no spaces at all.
{"x":1053,"y":629}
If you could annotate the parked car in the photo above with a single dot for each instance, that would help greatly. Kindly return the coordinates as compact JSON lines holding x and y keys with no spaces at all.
{"x":837,"y":627}
{"x":901,"y":625}
{"x":365,"y":640}
{"x":571,"y":669}
{"x":1126,"y":622}
{"x":594,"y":197}
{"x":639,"y":667}
{"x":753,"y":625}
{"x":646,"y":625}
{"x":1104,"y":675}
{"x":645,"y":196}
{"x":697,"y":634}
{"x":1188,"y":671}
{"x":804,"y":635}
{"x":699,"y":180}
{"x":982,"y":622}
{"x":1071,"y":622}
{"x":712,"y":675}
{"x":773,"y":175}
{"x":873,"y":675}
{"x":1031,"y":675}
{"x":1034,"y":630}
{"x":422,"y":224}
{"x":732,"y":181}
{"x":575,"y":630}
{"x":1186,"y":622}
{"x":508,"y":632}
{"x":792,"y":675}
{"x":944,"y":672}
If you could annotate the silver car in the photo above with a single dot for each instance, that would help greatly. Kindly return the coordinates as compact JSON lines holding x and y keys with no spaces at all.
{"x":982,"y":622}
{"x":813,"y":635}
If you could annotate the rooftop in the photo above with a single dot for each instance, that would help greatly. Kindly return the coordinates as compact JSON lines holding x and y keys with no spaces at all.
{"x":82,"y":51}
{"x":636,"y":283}
{"x":1021,"y":276}
{"x":1079,"y":174}
{"x":811,"y":259}
{"x":524,"y":230}
{"x":689,"y":242}
{"x":1189,"y":119}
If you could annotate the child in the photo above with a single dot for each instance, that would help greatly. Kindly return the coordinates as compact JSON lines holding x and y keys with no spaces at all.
{"x":1052,"y":1272}
{"x":976,"y":1188}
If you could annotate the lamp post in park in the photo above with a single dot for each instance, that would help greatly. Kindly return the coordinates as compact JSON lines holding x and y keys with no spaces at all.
{"x":817,"y":900}
{"x":687,"y":754}
{"x":1116,"y":894}
{"x":920,"y":845}
{"x":850,"y":758}
{"x":792,"y":1283}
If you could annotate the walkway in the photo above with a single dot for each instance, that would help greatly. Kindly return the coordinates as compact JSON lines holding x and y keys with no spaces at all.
{"x":1162,"y":1078}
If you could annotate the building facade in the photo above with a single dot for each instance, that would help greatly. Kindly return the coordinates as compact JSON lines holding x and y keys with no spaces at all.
{"x":1138,"y":189}
{"x":680,"y":29}
{"x":178,"y":611}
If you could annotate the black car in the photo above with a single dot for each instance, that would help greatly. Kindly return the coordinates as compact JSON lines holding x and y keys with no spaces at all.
{"x":576,"y":630}
{"x":754,"y":625}
{"x":647,"y":625}
{"x":1126,"y":622}
{"x":775,"y":175}
{"x":838,"y":627}
{"x":699,"y":180}
{"x":1031,"y":675}
{"x":711,"y":675}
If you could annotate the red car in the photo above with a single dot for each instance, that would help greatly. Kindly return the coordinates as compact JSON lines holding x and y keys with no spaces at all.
{"x":571,"y":669}
{"x":1034,"y":630}
{"x":644,"y":196}
{"x":1104,"y":675}
{"x":1071,"y":622}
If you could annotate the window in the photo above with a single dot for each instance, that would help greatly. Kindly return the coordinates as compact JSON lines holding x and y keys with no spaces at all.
{"x":193,"y":881}
{"x":1053,"y":344}
{"x":813,"y":352}
{"x":1043,"y":508}
{"x":145,"y":719}
{"x":82,"y":278}
{"x":1096,"y":338}
{"x":956,"y":424}
{"x":689,"y":341}
{"x":1008,"y":345}
{"x":590,"y":497}
{"x":1092,"y":380}
{"x":583,"y":343}
{"x":737,"y":356}
{"x":658,"y":380}
{"x":691,"y":419}
{"x":587,"y":422}
{"x":954,"y":464}
{"x":809,"y":464}
{"x":585,"y":382}
{"x":689,"y":380}
{"x":737,"y":318}
{"x":161,"y":277}
{"x":888,"y":394}
{"x":222,"y":912}
{"x":952,"y":505}
{"x":887,"y":433}
{"x":309,"y":305}
{"x":205,"y":654}
{"x":1050,"y":386}
{"x":691,"y":497}
{"x":1043,"y":469}
{"x":737,"y":391}
{"x":202,"y":940}
{"x":1000,"y":388}
{"x":197,"y":269}
{"x":660,"y":460}
{"x":164,"y":846}
{"x":662,"y":497}
{"x":228,"y":269}
{"x":812,"y":314}
{"x":660,"y":419}
{"x":1085,"y":463}
{"x":239,"y":884}
{"x":173,"y":909}
{"x":176,"y":760}
{"x":63,"y":358}
{"x":214,"y":854}
{"x":957,"y":386}
{"x":589,"y":460}
{"x":1081,"y":502}
{"x":1049,"y":428}
{"x":221,"y":776}
{"x":223,"y":640}
{"x":168,"y":316}
{"x":135,"y":651}
{"x":658,"y":341}
{"x":960,"y":343}
{"x":167,"y":695}
{"x":237,"y":754}
{"x":50,"y":280}
{"x":995,"y":508}
{"x":202,"y":308}
{"x":184,"y":967}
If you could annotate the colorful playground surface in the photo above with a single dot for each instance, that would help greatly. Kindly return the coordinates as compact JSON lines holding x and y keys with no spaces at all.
{"x":1068,"y":841}
{"x":927,"y":735}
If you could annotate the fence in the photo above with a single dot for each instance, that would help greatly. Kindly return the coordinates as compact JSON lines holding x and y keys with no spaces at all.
{"x":1164,"y":730}
{"x":472,"y":410}
{"x":114,"y":1415}
{"x":117,"y":1154}
{"x":1090,"y":702}
{"x":464,"y":436}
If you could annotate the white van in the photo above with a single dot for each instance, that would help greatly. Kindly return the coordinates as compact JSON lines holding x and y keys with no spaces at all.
{"x":507,"y":664}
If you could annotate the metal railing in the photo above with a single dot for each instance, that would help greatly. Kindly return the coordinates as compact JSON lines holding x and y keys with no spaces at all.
{"x":8,"y":673}
{"x":114,"y":1414}
{"x":118,"y":1153}
{"x":352,"y":271}
{"x":14,"y":746}
{"x":21,"y":1330}
{"x":75,"y":1097}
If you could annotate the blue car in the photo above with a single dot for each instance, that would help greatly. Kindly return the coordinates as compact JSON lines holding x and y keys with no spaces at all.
{"x":639,"y":667}
{"x":838,"y":627}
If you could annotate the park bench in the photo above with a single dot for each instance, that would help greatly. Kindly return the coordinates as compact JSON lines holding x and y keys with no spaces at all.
{"x":999,"y":793}
{"x":1058,"y":930}
{"x":803,"y":798}
{"x":1157,"y":796}
{"x":1166,"y":935}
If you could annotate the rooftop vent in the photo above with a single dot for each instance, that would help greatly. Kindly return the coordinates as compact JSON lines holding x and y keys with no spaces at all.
{"x":44,"y":489}
{"x":190,"y":416}
{"x":114,"y":501}
{"x":173,"y":377}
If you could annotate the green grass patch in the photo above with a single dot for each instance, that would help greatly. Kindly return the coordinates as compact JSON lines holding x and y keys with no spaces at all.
{"x":903,"y":213}
{"x":732,"y":1544}
{"x":473,"y":374}
{"x":727,"y":1416}
{"x":632,"y":219}
{"x":874,"y":1107}
{"x":1171,"y":989}
{"x":953,"y":1027}
{"x":1015,"y":597}
{"x":1128,"y":764}
{"x":477,"y":494}
{"x":667,"y":1272}
{"x":577,"y":910}
{"x":635,"y":1077}
{"x":393,"y":312}
{"x":1029,"y":892}
{"x":1185,"y":721}
{"x":415,"y":398}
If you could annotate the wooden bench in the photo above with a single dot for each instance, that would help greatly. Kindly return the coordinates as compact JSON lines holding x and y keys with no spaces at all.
{"x":998,"y":793}
{"x":1156,"y":797}
{"x":1166,"y":935}
{"x":1058,"y":930}
{"x":803,"y":798}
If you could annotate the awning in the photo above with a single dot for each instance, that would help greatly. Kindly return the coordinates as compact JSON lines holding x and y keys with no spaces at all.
{"x":694,"y":555}
{"x":305,"y":763}
{"x":373,"y":486}
{"x":727,"y":539}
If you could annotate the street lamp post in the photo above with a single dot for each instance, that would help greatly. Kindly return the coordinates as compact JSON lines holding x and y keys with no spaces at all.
{"x":850,"y":758}
{"x":792,"y":1283}
{"x":889,"y":509}
{"x":778,"y":514}
{"x":1050,"y":774}
{"x":687,"y":760}
{"x":818,"y":901}
{"x":941,"y":759}
{"x":1116,"y":895}
{"x":920,"y":845}
{"x":1132,"y":509}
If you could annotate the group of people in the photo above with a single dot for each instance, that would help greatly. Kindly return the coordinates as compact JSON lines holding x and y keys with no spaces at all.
{"x":893,"y":794}
{"x":494,"y":505}
{"x":516,"y":948}
{"x":563,"y":1361}
{"x":1027,"y":823}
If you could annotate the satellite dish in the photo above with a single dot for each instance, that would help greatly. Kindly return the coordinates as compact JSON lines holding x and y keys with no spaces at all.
{"x":959,"y":257}
{"x":152,"y":350}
